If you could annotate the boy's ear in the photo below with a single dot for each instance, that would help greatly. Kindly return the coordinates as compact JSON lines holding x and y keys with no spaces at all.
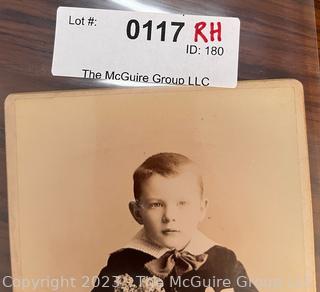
{"x":204,"y":207}
{"x":135,"y":212}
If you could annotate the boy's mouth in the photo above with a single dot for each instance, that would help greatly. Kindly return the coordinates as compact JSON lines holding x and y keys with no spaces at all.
{"x":170,"y":231}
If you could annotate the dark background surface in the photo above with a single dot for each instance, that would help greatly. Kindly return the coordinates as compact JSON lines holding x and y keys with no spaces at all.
{"x":278,"y":40}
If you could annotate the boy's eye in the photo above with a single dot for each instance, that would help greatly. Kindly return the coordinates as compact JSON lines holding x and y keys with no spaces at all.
{"x":155,"y":205}
{"x":182,"y":203}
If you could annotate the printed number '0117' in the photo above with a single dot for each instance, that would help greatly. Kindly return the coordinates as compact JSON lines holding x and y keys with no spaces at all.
{"x":133,"y":29}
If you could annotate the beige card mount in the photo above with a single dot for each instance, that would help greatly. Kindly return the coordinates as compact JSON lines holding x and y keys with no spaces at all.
{"x":71,"y":155}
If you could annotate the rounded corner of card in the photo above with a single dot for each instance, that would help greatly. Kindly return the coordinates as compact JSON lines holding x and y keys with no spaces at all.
{"x":297,"y":83}
{"x":53,"y":71}
{"x":9,"y":101}
{"x":59,"y":8}
{"x":234,"y":84}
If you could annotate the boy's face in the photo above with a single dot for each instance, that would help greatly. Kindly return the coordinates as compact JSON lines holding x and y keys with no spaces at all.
{"x":170,"y":208}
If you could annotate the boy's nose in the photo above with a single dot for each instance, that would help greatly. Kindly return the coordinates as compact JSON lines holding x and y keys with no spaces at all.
{"x":169,"y":214}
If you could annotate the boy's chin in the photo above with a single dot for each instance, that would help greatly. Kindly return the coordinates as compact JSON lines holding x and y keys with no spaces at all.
{"x":175,"y":243}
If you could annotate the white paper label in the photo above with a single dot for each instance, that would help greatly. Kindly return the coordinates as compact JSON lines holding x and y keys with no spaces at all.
{"x":146,"y":47}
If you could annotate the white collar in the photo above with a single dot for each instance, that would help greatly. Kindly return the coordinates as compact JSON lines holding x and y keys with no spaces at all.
{"x":197,"y":245}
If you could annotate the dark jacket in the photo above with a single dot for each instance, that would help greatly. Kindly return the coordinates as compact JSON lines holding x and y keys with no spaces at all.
{"x":220,"y":271}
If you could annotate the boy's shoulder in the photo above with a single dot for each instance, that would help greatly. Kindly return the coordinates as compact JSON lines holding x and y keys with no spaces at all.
{"x":128,"y":254}
{"x":221,"y":255}
{"x":224,"y":263}
{"x":127,"y":260}
{"x":221,"y":251}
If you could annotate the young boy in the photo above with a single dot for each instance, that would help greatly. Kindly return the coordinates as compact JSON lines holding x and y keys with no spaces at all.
{"x":169,"y":253}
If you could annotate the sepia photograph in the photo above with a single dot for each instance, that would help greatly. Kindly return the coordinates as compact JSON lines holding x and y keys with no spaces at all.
{"x":160,"y":189}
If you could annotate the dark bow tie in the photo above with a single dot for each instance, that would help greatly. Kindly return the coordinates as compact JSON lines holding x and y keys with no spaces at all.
{"x":178,"y":261}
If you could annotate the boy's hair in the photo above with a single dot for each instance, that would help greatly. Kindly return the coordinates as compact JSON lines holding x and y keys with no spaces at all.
{"x":165,"y":164}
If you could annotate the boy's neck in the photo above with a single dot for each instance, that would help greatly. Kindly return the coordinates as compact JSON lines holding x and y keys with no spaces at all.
{"x":197,"y":245}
